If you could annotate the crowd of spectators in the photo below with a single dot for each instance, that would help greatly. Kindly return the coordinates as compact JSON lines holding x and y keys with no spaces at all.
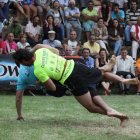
{"x":93,"y":29}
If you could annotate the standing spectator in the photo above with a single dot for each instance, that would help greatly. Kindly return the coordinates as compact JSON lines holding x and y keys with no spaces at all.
{"x":15,"y":28}
{"x":59,"y":22}
{"x":33,"y":32}
{"x":105,"y":12}
{"x":93,"y":46}
{"x":72,"y":15}
{"x":135,"y":33}
{"x":90,"y":17}
{"x":49,"y":26}
{"x":22,"y":42}
{"x":116,"y":37}
{"x":125,"y":68}
{"x":101,"y":61}
{"x":10,"y":45}
{"x":101,"y":34}
{"x":51,"y":40}
{"x":118,"y":14}
{"x":131,"y":18}
{"x":4,"y":10}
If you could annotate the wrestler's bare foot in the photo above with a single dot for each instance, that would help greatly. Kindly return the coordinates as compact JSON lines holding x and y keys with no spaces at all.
{"x":123,"y":118}
{"x":133,"y":81}
{"x":109,"y":65}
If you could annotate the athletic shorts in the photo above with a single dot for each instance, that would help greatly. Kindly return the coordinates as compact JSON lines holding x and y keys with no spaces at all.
{"x":82,"y":78}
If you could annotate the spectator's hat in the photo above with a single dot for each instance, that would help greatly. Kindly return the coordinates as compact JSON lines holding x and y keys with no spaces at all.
{"x":51,"y":32}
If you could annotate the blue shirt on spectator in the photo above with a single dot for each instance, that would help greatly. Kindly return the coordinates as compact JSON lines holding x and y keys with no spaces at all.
{"x":115,"y":15}
{"x":26,"y":77}
{"x":89,"y":62}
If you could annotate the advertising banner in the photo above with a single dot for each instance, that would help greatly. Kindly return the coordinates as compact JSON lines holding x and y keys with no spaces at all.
{"x":8,"y":72}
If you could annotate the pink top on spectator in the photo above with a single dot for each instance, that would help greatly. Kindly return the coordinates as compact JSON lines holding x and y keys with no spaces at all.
{"x":9,"y":47}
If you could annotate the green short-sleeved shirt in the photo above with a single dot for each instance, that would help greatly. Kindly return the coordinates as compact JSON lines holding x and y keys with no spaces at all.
{"x":49,"y":65}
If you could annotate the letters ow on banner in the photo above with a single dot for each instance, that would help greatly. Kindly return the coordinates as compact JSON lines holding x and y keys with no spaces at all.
{"x":8,"y":72}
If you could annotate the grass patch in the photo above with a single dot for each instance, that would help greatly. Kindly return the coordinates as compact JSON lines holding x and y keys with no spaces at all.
{"x":49,"y":118}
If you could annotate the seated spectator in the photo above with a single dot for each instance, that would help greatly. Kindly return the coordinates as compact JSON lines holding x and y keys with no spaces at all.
{"x":4,"y":10}
{"x":122,"y":4}
{"x":43,"y":6}
{"x":118,"y":14}
{"x":131,"y":18}
{"x":15,"y":28}
{"x":101,"y":61}
{"x":88,"y":61}
{"x":63,"y":3}
{"x":90,"y":17}
{"x":93,"y":46}
{"x":125,"y":68}
{"x":22,"y":44}
{"x":135,"y":33}
{"x":58,"y":15}
{"x":72,"y":15}
{"x":49,"y":26}
{"x":33,"y":32}
{"x":115,"y":37}
{"x":1,"y":45}
{"x":51,"y":40}
{"x":105,"y":12}
{"x":101,"y":34}
{"x":5,"y":30}
{"x":30,"y":8}
{"x":74,"y":43}
{"x":67,"y":49}
{"x":10,"y":45}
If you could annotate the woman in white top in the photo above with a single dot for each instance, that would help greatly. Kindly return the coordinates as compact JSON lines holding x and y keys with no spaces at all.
{"x":22,"y":42}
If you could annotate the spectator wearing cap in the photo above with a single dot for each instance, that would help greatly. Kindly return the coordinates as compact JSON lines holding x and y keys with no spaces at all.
{"x":15,"y":28}
{"x":51,"y":40}
{"x":33,"y":32}
{"x":72,"y":15}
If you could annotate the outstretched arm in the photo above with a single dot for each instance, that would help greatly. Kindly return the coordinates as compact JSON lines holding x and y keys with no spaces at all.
{"x":39,"y":46}
{"x":19,"y":94}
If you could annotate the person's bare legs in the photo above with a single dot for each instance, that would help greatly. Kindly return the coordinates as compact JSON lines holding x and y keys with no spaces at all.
{"x":115,"y":78}
{"x":110,"y":111}
{"x":86,"y":101}
{"x":97,"y":105}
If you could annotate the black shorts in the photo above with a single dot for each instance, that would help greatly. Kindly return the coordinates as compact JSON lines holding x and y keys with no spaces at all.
{"x":82,"y":78}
